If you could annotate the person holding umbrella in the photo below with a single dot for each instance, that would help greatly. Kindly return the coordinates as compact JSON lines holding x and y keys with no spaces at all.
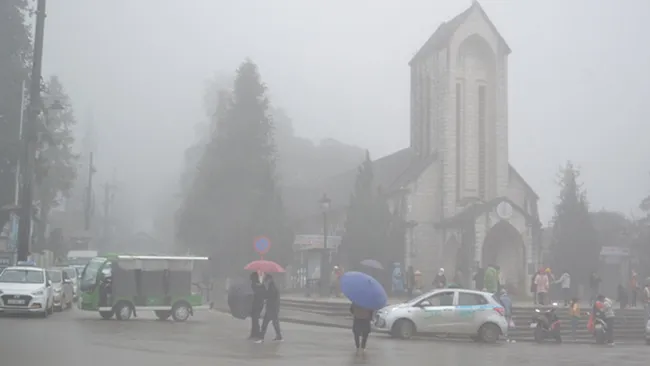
{"x":258,"y":305}
{"x":361,"y":325}
{"x":367,"y":296}
{"x":272,"y":309}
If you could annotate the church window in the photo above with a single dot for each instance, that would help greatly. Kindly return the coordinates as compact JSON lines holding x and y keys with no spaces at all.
{"x":481,"y":142}
{"x":459,"y":138}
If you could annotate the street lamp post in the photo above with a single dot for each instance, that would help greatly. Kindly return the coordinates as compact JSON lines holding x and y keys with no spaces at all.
{"x":324,"y":258}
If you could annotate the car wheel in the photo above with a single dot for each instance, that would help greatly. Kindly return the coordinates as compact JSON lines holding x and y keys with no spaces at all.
{"x":45,"y":314}
{"x":123,"y":311}
{"x":163,"y":314}
{"x":489,"y":333}
{"x":106,"y":315}
{"x":404,"y":329}
{"x":58,"y":309}
{"x":181,"y":311}
{"x":475,"y":338}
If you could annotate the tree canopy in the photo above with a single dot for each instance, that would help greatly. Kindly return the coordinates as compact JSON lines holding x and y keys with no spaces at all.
{"x":576,"y":248}
{"x":15,"y":59}
{"x":233,"y":197}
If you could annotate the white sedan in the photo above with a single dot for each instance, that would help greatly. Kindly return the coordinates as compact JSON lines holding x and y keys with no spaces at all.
{"x":26,"y":290}
{"x":475,"y":314}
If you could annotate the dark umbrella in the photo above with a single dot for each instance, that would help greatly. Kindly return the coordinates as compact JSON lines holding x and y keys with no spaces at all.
{"x":240,"y":299}
{"x":371,"y":263}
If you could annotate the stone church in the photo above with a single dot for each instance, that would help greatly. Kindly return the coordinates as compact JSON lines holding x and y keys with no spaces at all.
{"x":466,"y":206}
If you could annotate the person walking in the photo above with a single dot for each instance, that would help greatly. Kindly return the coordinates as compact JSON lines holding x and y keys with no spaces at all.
{"x":491,"y":280}
{"x":565,"y":283}
{"x":542,"y":285}
{"x":410,"y":281}
{"x":634,"y":289}
{"x":646,"y":299}
{"x":258,"y":305}
{"x":440,"y":281}
{"x":574,"y":313}
{"x":506,"y":302}
{"x":271,"y":315}
{"x":361,"y":326}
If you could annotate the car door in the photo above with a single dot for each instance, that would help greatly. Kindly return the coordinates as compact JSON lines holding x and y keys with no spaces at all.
{"x":436,"y":312}
{"x":469,"y":308}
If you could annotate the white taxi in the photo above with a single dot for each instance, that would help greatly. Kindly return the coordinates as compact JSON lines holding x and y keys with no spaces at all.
{"x":26,"y":290}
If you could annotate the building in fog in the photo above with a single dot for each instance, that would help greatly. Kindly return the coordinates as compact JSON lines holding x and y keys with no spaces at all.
{"x":468,"y":207}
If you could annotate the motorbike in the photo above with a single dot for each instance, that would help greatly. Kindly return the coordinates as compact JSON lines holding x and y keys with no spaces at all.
{"x":600,"y":328}
{"x":546,"y":325}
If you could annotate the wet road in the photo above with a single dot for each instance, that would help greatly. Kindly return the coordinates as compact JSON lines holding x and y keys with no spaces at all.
{"x":76,"y":337}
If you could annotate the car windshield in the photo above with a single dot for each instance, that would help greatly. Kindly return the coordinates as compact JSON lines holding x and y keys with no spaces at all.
{"x":55,"y":276}
{"x":89,"y":275}
{"x":21,"y":276}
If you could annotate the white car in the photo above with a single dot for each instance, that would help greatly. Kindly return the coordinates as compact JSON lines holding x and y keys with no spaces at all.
{"x":26,"y":290}
{"x":475,"y":314}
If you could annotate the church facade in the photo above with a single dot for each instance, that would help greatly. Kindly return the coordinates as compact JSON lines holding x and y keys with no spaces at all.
{"x":466,"y":206}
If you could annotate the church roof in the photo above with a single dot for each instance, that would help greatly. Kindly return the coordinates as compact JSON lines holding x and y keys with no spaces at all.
{"x":391,"y":173}
{"x":440,"y":38}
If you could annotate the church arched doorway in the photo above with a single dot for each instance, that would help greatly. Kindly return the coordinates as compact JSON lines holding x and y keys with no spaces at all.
{"x":504,"y":247}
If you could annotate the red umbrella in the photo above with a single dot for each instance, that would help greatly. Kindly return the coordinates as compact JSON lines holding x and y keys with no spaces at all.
{"x":264,"y":266}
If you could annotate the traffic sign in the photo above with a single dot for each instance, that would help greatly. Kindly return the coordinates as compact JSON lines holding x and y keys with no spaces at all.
{"x":262,"y":244}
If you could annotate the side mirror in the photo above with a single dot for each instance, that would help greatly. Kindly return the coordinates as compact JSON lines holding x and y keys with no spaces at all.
{"x":67,"y":281}
{"x":423,"y":304}
{"x":49,"y":283}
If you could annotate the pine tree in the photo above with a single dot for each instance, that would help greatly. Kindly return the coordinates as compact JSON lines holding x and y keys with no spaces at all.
{"x":15,"y":57}
{"x":575,"y":248}
{"x":357,"y":240}
{"x":234,"y":197}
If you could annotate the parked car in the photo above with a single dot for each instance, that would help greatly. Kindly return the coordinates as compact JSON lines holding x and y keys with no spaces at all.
{"x":62,"y":289}
{"x":26,"y":289}
{"x":475,"y":314}
{"x":647,"y":333}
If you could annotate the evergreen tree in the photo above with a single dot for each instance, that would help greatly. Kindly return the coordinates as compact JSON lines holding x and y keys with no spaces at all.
{"x":56,"y":170}
{"x":15,"y":57}
{"x":575,"y":248}
{"x":372,"y":231}
{"x":234,"y":197}
{"x":357,"y":239}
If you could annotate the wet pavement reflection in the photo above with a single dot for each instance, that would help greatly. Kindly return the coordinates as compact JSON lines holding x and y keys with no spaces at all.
{"x":72,"y":337}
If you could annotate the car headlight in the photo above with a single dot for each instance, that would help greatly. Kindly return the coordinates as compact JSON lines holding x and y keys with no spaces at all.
{"x":38,"y":293}
{"x":57,"y":290}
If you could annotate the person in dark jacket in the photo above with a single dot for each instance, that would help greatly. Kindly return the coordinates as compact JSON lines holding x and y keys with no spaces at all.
{"x":361,"y":325}
{"x":272,"y":296}
{"x":258,"y":305}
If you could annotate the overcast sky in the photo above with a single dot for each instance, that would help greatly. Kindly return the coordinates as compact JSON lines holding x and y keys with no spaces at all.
{"x":578,"y":78}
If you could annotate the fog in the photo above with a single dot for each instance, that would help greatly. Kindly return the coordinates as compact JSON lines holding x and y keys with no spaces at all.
{"x":578,"y":80}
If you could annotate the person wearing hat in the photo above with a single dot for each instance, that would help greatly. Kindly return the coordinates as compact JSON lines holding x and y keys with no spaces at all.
{"x":440,"y":281}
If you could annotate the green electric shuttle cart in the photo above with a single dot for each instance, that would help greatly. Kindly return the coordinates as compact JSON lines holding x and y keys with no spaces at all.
{"x":123,"y":285}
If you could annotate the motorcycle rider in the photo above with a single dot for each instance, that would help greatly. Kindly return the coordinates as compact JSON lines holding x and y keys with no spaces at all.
{"x":603,"y":309}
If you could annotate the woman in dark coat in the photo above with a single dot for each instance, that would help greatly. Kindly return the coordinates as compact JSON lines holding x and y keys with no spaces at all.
{"x":258,"y":305}
{"x":272,"y":309}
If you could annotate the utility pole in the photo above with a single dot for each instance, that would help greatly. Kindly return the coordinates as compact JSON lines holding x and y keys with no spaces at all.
{"x":89,"y":194}
{"x":30,"y":137}
{"x":109,"y":196}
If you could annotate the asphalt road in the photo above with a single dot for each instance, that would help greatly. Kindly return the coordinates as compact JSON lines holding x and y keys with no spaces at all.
{"x":76,"y":337}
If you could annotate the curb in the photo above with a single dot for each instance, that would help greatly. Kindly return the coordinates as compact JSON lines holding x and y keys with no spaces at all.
{"x":339,"y":326}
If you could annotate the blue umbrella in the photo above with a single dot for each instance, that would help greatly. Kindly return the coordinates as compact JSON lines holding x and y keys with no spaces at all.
{"x":372,"y":263}
{"x":363,"y":290}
